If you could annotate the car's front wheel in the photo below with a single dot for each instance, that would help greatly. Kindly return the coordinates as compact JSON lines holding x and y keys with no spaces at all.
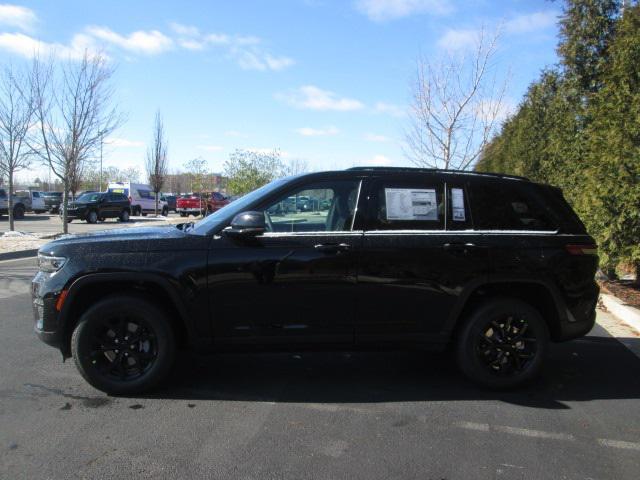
{"x":123,"y":345}
{"x":92,"y":216}
{"x":503,"y":344}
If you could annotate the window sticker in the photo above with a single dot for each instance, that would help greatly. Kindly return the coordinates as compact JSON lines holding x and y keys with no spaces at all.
{"x":457,"y":204}
{"x":411,"y":204}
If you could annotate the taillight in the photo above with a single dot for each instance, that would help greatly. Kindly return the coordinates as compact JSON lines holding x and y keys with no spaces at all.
{"x":575,"y":249}
{"x":129,"y":199}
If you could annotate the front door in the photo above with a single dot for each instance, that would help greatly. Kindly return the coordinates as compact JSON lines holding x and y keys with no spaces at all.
{"x":416,"y":262}
{"x":295,"y":284}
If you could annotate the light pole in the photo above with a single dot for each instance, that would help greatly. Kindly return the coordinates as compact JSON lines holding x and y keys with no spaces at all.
{"x":100,"y":184}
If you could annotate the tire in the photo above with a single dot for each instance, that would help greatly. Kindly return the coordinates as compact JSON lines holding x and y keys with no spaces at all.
{"x":184,"y":214}
{"x":92,"y":216}
{"x":109,"y":324}
{"x":165,"y":212}
{"x":496,"y":350}
{"x":144,"y":214}
{"x":18,"y":212}
{"x":124,"y":216}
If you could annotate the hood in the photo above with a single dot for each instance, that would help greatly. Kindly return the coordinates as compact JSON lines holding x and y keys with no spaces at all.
{"x":123,"y":240}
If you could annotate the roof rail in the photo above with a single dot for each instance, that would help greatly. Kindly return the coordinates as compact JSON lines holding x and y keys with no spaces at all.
{"x":438,"y":170}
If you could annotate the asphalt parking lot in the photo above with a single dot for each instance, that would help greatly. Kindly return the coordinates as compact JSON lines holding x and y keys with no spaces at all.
{"x":315,"y":415}
{"x":49,"y":223}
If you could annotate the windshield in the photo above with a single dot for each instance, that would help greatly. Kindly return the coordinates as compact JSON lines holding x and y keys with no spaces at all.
{"x":88,"y":197}
{"x":214,"y":220}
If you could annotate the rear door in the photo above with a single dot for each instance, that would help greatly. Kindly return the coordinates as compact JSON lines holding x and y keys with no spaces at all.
{"x":419,"y":258}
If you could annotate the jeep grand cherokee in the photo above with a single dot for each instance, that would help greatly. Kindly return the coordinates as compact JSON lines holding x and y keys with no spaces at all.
{"x":495,"y":266}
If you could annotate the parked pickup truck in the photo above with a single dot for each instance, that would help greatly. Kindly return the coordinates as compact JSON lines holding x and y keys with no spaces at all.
{"x":19,"y":205}
{"x":200,"y":204}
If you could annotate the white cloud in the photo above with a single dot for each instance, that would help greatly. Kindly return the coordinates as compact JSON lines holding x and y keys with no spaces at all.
{"x":187,"y":30}
{"x":317,"y":132}
{"x":382,"y":10}
{"x":27,"y":46}
{"x":246,"y":50}
{"x":372,"y":137}
{"x":16,"y":16}
{"x":211,"y":148}
{"x":461,"y":39}
{"x":313,"y":98}
{"x":390,"y":109}
{"x":531,"y":22}
{"x":150,"y":42}
{"x":123,"y":142}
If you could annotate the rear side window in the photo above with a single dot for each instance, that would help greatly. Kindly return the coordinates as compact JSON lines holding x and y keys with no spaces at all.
{"x":144,"y":193}
{"x":506,"y":206}
{"x":406,"y":204}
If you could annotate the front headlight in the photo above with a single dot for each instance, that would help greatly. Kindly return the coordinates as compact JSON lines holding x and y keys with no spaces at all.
{"x":50,"y":264}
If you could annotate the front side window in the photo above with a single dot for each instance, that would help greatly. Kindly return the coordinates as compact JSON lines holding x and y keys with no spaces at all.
{"x":145,"y":194}
{"x":406,"y":204}
{"x":320,"y":207}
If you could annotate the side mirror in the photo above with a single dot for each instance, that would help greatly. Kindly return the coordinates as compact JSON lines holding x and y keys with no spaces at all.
{"x":246,"y":224}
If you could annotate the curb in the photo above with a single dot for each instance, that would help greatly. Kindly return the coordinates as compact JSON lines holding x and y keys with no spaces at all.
{"x":629,"y":315}
{"x":18,"y":254}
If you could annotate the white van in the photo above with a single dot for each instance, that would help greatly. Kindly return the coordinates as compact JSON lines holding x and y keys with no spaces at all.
{"x":141,"y":197}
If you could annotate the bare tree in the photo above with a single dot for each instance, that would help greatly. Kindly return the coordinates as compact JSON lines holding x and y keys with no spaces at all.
{"x":456,"y":106}
{"x":74,"y":113}
{"x":16,"y":117}
{"x":295,"y":166}
{"x":157,"y":158}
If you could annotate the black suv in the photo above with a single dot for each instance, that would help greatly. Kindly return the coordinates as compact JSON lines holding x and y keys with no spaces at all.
{"x":495,"y":266}
{"x":94,"y":206}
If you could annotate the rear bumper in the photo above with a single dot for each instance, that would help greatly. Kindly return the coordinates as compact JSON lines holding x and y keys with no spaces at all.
{"x":580,"y":316}
{"x":188,"y":210}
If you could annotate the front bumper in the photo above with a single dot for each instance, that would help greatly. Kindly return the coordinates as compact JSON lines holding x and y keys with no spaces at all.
{"x":46,"y":317}
{"x":75,"y":213}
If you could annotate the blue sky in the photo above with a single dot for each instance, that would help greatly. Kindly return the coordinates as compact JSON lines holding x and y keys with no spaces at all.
{"x":324,"y":81}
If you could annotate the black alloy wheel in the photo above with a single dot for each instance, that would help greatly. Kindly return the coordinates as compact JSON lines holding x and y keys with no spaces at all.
{"x":506,"y":345}
{"x":123,"y":345}
{"x":503,"y":343}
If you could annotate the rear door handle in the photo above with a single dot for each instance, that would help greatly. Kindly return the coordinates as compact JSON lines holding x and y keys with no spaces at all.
{"x":332,"y":247}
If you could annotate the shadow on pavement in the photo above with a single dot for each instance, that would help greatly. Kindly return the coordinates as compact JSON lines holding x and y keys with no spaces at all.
{"x":587,"y":369}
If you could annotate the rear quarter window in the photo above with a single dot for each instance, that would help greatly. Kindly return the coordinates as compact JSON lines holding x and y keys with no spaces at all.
{"x":508,"y":206}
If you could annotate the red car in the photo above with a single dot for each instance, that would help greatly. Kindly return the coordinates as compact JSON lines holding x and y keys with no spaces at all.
{"x":199,"y":204}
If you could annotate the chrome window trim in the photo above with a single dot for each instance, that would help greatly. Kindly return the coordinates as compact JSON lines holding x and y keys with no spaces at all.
{"x":340,"y":233}
{"x":461,"y":232}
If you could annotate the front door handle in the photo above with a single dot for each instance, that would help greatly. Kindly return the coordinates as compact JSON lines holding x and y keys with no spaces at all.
{"x":459,"y":247}
{"x":332,"y":247}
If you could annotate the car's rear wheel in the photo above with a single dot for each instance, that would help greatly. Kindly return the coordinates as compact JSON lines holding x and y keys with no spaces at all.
{"x":124,"y":216}
{"x":123,"y":345}
{"x":92,"y":216}
{"x":503,"y":344}
{"x":184,"y":214}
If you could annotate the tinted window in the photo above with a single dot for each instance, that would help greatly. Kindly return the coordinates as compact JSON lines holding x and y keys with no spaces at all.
{"x":406,"y":204}
{"x":507,"y":206}
{"x":145,"y":194}
{"x":89,"y":197}
{"x":320,"y":207}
